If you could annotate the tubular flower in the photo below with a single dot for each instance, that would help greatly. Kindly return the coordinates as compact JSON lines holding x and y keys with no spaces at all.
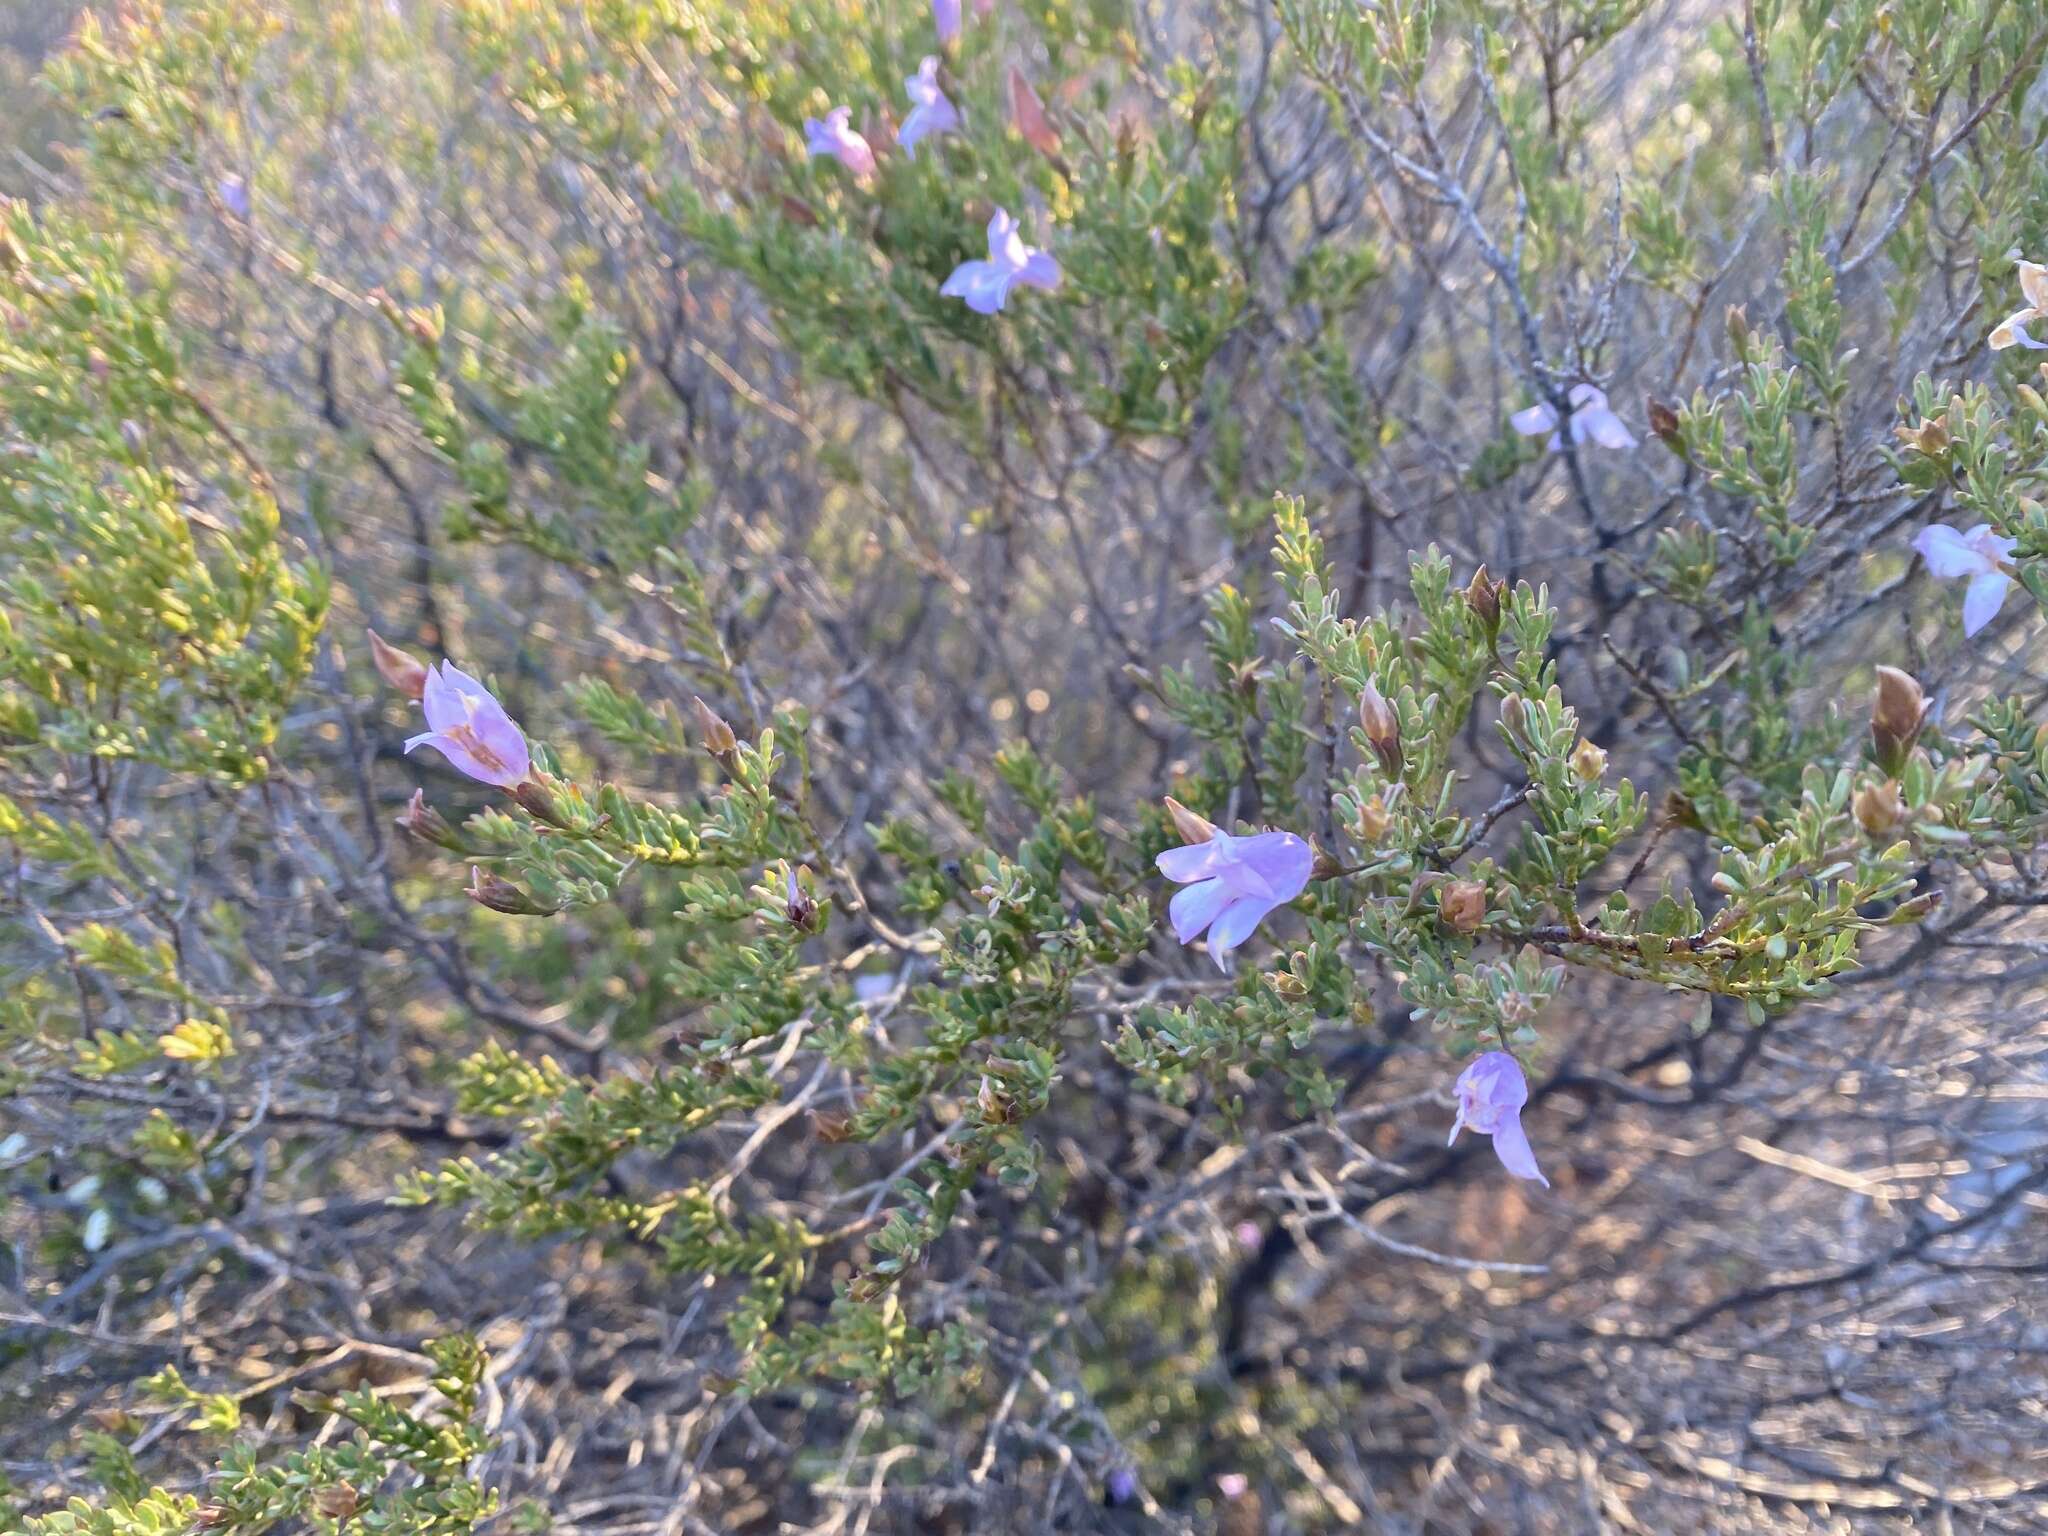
{"x":832,"y":135}
{"x":930,"y":111}
{"x":1978,"y":556}
{"x":1232,"y":884}
{"x":946,"y":17}
{"x":1590,"y":417}
{"x":986,"y":285}
{"x":1491,"y":1093}
{"x":471,"y":729}
{"x":2012,"y":330}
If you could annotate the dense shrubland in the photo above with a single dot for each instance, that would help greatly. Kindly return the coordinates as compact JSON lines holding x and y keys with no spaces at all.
{"x":630,"y":633}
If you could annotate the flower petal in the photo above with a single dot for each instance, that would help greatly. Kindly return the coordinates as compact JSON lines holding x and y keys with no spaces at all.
{"x":1948,"y":554}
{"x":1511,"y":1146}
{"x":1984,"y":598}
{"x":983,"y":284}
{"x":1194,"y":908}
{"x":1534,"y":419}
{"x":1605,"y":428}
{"x":1235,"y":925}
{"x":1040,"y":271}
{"x":1197,"y":861}
{"x":1272,"y":865}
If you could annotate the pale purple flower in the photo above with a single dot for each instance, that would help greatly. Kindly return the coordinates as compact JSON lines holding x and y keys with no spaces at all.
{"x":930,"y":111}
{"x":1590,"y":417}
{"x":835,"y":137}
{"x":2012,"y":330}
{"x":946,"y":17}
{"x":1122,"y":1486}
{"x":471,"y":729}
{"x":234,"y":195}
{"x":1978,"y":556}
{"x":985,"y":285}
{"x":1491,"y":1093}
{"x":1233,"y":1485}
{"x":1232,"y":883}
{"x":1248,"y":1236}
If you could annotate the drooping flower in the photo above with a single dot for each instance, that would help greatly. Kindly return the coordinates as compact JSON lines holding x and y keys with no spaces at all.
{"x":471,"y":729}
{"x":1977,"y":556}
{"x":1232,"y":884}
{"x":2012,"y":330}
{"x":986,"y":285}
{"x":833,"y":135}
{"x":930,"y":111}
{"x":946,"y":17}
{"x":1491,"y":1092}
{"x":1591,"y":417}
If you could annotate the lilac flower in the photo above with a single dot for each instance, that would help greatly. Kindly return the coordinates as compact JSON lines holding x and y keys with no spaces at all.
{"x":946,"y":17}
{"x":1979,"y":555}
{"x":1122,"y":1486}
{"x":471,"y":729}
{"x":930,"y":112}
{"x":1232,"y":883}
{"x":1590,"y":417}
{"x":1491,"y":1093}
{"x":2012,"y":330}
{"x":834,"y":137}
{"x":1233,"y":1485}
{"x":985,"y":285}
{"x":234,"y":195}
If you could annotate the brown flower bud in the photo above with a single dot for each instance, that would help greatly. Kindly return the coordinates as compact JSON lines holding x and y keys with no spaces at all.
{"x":1322,"y":866}
{"x":1930,"y":437}
{"x":996,"y":1106}
{"x":1514,"y":717}
{"x":422,"y":821}
{"x":1737,"y":321}
{"x":539,"y":802}
{"x":718,"y":738}
{"x":404,"y":672}
{"x":1382,"y":728}
{"x":1896,"y":715}
{"x":1878,"y":807}
{"x":337,"y":1501}
{"x":1663,"y":421}
{"x":1463,"y":905}
{"x":830,"y":1127}
{"x":488,"y":890}
{"x":799,"y":906}
{"x":1286,"y":984}
{"x":1484,"y":598}
{"x":1373,"y":820}
{"x":1588,"y":761}
{"x":1191,"y":827}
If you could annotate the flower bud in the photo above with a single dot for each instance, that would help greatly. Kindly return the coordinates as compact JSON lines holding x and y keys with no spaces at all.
{"x":1382,"y":728}
{"x":1192,"y":828}
{"x":1484,"y":598}
{"x":1737,"y":321}
{"x":1896,"y":715}
{"x":404,"y":672}
{"x":1286,"y":984}
{"x":1588,"y":761}
{"x":488,"y":890}
{"x":1878,"y":807}
{"x":1323,"y":867}
{"x":718,"y":738}
{"x":337,"y":1501}
{"x":538,"y":802}
{"x":1514,"y":717}
{"x":422,"y":821}
{"x":1373,"y":820}
{"x":1663,"y":422}
{"x":1463,"y":905}
{"x":996,"y":1106}
{"x":1930,"y":437}
{"x":829,"y":1126}
{"x":799,"y":906}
